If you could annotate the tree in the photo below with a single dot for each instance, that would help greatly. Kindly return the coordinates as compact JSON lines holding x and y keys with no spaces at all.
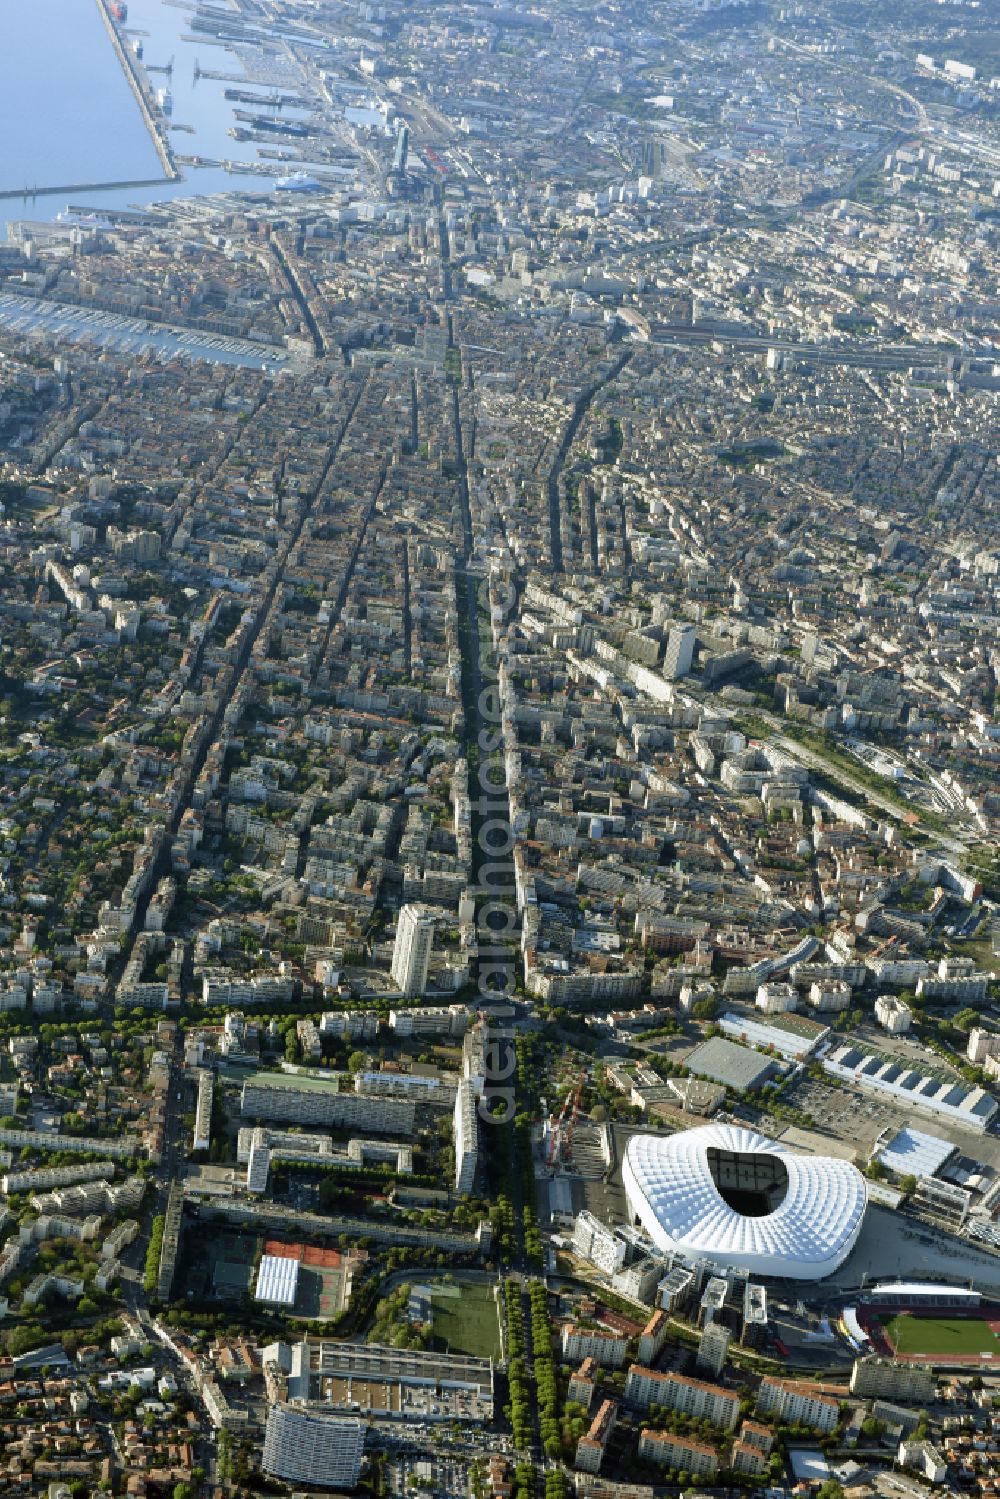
{"x":356,"y":1062}
{"x":908,"y":1184}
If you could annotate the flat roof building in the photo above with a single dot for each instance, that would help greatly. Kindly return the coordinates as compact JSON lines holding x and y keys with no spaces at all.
{"x":411,"y":953}
{"x":303,"y":1101}
{"x":202,"y":1138}
{"x":910,"y":1152}
{"x":370,"y":1379}
{"x":733,"y":1066}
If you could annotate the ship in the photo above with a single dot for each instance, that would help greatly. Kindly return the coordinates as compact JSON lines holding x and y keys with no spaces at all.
{"x":137,"y":47}
{"x":165,"y":100}
{"x":119,"y":10}
{"x":298,"y":182}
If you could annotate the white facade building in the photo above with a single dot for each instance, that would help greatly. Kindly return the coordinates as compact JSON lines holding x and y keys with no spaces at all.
{"x":893,"y":1014}
{"x":594,"y":1241}
{"x":680,"y":652}
{"x":305,"y":1446}
{"x":466,"y":1138}
{"x":411,"y":954}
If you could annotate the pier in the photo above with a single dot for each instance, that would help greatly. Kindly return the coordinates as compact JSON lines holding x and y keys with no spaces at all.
{"x":30,"y":193}
{"x":162,"y":145}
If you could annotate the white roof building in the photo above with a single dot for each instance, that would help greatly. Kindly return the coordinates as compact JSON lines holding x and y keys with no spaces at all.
{"x":726,"y":1194}
{"x":277,"y":1280}
{"x":910,"y":1152}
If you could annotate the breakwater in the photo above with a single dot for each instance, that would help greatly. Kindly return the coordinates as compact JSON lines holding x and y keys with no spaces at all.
{"x":29,"y":194}
{"x":139,"y":89}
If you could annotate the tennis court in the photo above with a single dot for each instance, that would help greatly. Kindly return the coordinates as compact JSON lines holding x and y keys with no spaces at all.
{"x":321,"y":1277}
{"x":232,"y":1265}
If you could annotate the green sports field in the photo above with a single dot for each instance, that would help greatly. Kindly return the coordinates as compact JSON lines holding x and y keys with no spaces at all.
{"x":942,"y":1336}
{"x":465,"y":1320}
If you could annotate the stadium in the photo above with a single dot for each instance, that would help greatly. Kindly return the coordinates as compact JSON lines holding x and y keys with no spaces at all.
{"x":728,"y":1195}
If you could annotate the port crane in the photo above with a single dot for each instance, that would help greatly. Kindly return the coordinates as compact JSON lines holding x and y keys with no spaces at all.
{"x":160,"y":67}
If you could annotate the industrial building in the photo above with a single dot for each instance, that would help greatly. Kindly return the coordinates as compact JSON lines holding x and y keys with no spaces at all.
{"x":734,"y":1066}
{"x":372,"y":1380}
{"x":909,"y":1086}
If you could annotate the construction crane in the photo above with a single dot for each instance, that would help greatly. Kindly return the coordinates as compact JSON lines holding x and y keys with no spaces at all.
{"x":560,"y":1145}
{"x":568,"y":1146}
{"x":552,"y":1152}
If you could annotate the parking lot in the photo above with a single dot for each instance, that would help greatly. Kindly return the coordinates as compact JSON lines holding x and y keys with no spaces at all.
{"x":845,"y":1113}
{"x":447,"y":1478}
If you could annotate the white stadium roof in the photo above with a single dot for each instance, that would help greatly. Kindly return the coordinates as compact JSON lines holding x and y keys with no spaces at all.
{"x":729,"y":1195}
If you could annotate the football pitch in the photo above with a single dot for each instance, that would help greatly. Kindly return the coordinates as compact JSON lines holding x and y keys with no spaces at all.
{"x":465,"y":1320}
{"x":943,"y":1336}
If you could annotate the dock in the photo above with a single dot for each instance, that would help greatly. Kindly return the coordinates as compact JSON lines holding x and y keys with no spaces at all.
{"x":129,"y":64}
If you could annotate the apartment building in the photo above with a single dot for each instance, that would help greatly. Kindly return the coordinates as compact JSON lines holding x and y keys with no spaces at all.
{"x":202,"y":1136}
{"x":683,"y":1454}
{"x":797,"y":1404}
{"x":713,"y":1346}
{"x":282,"y":1103}
{"x":349,"y":1025}
{"x":893,"y":1015}
{"x":581,"y":1383}
{"x":745,"y":1458}
{"x":653,"y":1337}
{"x":305,"y":1446}
{"x":645,"y":1387}
{"x":590,"y":1449}
{"x":411,"y":953}
{"x":885,"y":1379}
{"x":594,"y":1241}
{"x":607,"y":1349}
{"x":466,"y":1138}
{"x":430,"y":1020}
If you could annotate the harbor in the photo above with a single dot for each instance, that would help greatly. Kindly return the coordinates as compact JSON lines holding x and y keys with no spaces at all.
{"x":208,"y":107}
{"x":132,"y":335}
